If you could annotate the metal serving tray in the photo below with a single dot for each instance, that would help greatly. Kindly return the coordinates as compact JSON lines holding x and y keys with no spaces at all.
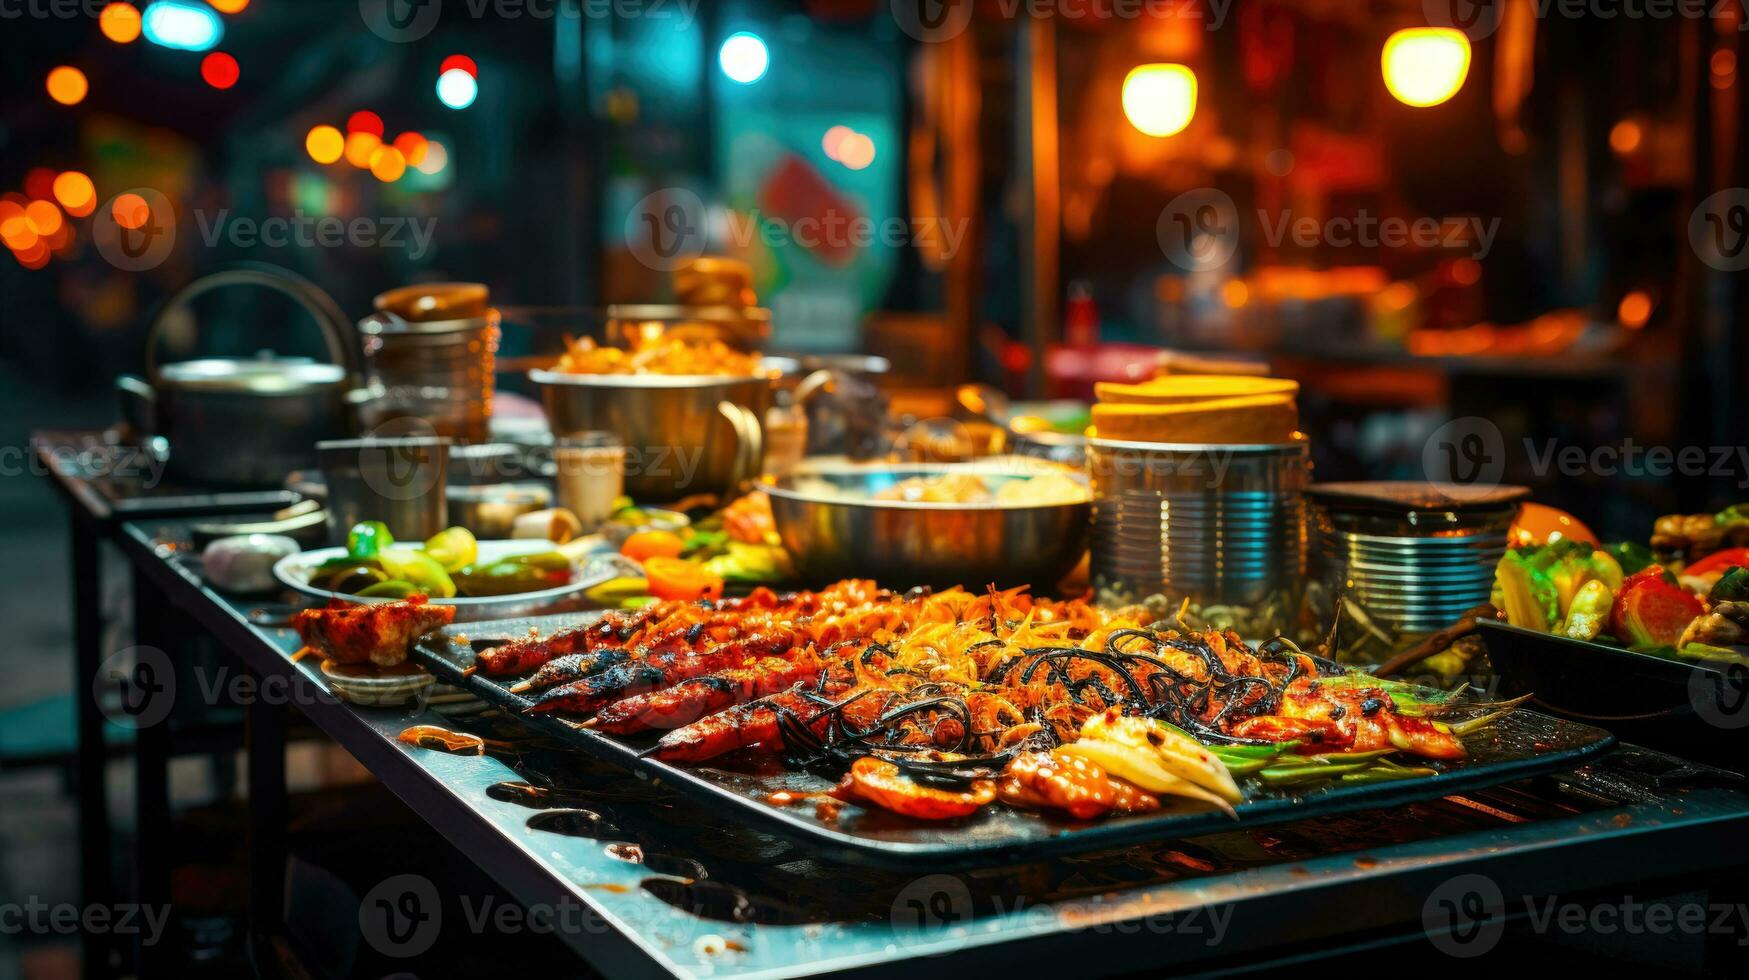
{"x":1698,"y":709}
{"x":1523,"y":744}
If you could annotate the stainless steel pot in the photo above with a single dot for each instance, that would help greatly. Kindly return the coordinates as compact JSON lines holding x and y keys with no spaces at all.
{"x":683,"y":435}
{"x":833,"y":528}
{"x":245,"y":422}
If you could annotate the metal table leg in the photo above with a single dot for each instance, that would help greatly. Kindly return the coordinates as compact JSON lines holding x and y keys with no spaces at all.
{"x":153,"y":826}
{"x":93,"y":798}
{"x":266,"y":833}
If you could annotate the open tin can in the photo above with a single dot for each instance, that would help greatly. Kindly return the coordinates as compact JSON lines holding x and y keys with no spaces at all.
{"x":1224,"y":526}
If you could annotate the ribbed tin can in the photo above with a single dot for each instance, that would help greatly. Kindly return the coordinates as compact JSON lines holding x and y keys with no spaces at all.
{"x":1224,"y":526}
{"x":440,"y":371}
{"x":1414,"y":556}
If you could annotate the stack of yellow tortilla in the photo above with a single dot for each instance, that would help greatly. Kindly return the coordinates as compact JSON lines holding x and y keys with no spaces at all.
{"x":1198,"y":408}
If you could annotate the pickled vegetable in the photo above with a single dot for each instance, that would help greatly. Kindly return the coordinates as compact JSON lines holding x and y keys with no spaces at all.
{"x":454,"y":548}
{"x":420,"y":569}
{"x":367,"y":539}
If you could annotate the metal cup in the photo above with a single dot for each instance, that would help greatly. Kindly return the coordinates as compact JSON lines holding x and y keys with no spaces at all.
{"x":397,"y":481}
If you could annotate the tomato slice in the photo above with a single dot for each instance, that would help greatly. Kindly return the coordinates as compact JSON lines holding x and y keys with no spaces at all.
{"x":878,"y":782}
{"x":675,"y":578}
{"x":646,"y":545}
{"x":1719,"y":561}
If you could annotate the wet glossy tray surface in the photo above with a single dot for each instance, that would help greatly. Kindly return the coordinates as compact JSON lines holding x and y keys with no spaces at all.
{"x":1523,"y":744}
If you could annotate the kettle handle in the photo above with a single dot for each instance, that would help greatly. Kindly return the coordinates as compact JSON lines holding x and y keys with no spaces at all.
{"x":749,"y":446}
{"x":336,"y":331}
{"x":139,"y":405}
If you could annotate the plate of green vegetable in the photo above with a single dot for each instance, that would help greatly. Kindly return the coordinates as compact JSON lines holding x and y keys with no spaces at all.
{"x":452,"y":568}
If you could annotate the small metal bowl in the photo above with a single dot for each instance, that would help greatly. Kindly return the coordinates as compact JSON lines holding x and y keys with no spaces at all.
{"x":833,"y":530}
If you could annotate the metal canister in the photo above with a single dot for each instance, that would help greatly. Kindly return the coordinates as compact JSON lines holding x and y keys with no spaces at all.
{"x":440,"y":371}
{"x":1224,"y":526}
{"x":1415,"y":556}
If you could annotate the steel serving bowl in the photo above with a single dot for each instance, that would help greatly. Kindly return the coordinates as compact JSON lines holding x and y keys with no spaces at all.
{"x":833,"y":530}
{"x":683,"y":435}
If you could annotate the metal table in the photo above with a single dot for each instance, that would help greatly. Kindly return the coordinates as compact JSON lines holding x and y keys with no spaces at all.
{"x":638,"y":883}
{"x":103,"y":481}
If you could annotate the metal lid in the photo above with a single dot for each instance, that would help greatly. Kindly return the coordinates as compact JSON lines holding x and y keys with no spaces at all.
{"x":1407,"y":496}
{"x":390,"y":325}
{"x":253,"y":375}
{"x":705,"y":314}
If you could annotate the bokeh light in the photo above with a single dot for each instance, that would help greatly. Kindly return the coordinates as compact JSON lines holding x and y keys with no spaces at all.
{"x":325,"y":144}
{"x":1159,"y":99}
{"x":45,"y":219}
{"x":1635,"y":310}
{"x":67,"y":85}
{"x":833,"y":139}
{"x":220,"y":70}
{"x":856,"y":151}
{"x":131,"y":211}
{"x":360,"y":147}
{"x":387,"y":164}
{"x":182,"y":25}
{"x":436,"y":158}
{"x":229,"y":6}
{"x":461,"y":62}
{"x":365,"y":121}
{"x":1625,"y":137}
{"x":76,"y":193}
{"x":412,"y":147}
{"x":120,"y":22}
{"x":39,"y":182}
{"x":744,"y":57}
{"x":1425,"y":66}
{"x":457,"y":89}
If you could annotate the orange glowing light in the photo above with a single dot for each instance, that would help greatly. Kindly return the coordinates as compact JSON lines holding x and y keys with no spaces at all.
{"x":360,"y":147}
{"x":44,"y":217}
{"x":1159,"y":100}
{"x":325,"y":144}
{"x":120,"y":22}
{"x":1466,"y":272}
{"x":229,"y":6}
{"x":220,"y":70}
{"x":461,"y":61}
{"x":1425,"y":66}
{"x":67,"y":85}
{"x":131,"y":211}
{"x":1625,"y":137}
{"x":1235,"y":293}
{"x":412,"y":147}
{"x":74,"y":190}
{"x":17,"y":233}
{"x":34,"y":257}
{"x":834,"y":139}
{"x":365,"y":121}
{"x":387,"y":164}
{"x":856,"y":151}
{"x":1635,"y":310}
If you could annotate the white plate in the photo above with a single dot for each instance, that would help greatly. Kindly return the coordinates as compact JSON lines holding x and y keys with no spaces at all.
{"x":295,"y":571}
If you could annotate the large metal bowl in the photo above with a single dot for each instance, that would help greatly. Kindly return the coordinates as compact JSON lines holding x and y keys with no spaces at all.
{"x":683,"y":435}
{"x":833,"y":530}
